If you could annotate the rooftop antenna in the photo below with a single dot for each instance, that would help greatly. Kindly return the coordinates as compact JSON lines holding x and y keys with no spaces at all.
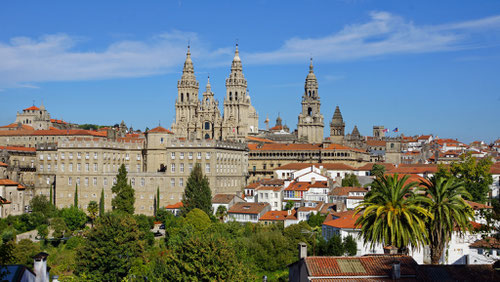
{"x":33,"y":102}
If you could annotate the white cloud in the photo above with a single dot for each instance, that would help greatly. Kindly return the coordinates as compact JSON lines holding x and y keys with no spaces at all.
{"x":57,"y":57}
{"x":383,"y":34}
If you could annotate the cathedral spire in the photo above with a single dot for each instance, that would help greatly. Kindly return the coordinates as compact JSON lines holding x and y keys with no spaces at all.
{"x":188,"y":70}
{"x":311,"y":66}
{"x":236,"y":66}
{"x":209,"y":87}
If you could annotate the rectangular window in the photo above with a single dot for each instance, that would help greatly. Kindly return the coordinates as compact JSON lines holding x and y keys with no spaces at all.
{"x":71,"y":167}
{"x":199,"y":156}
{"x":172,"y":155}
{"x":41,"y":156}
{"x":70,"y":156}
{"x":181,"y":167}
{"x":79,"y":155}
{"x":207,"y":155}
{"x":207,"y":168}
{"x":87,"y":155}
{"x":127,"y":156}
{"x":62,"y":167}
{"x":181,"y":155}
{"x":181,"y":182}
{"x":95,"y":167}
{"x":127,"y":168}
{"x":190,"y":168}
{"x":78,"y":167}
{"x":86,"y":181}
{"x":62,"y":156}
{"x":49,"y":157}
{"x":70,"y":181}
{"x":190,"y":155}
{"x":133,"y":181}
{"x":105,"y":181}
{"x":94,"y":181}
{"x":138,"y":157}
{"x":95,"y":156}
{"x":78,"y":180}
{"x":41,"y":167}
{"x":143,"y":182}
{"x":138,"y":168}
{"x":172,"y":182}
{"x":48,"y":167}
{"x":172,"y":168}
{"x":87,"y":167}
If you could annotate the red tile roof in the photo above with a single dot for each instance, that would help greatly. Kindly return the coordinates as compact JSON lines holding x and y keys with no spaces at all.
{"x":486,"y":243}
{"x":350,"y":267}
{"x":477,"y":206}
{"x":8,"y":182}
{"x":160,"y":129}
{"x":3,"y":164}
{"x":411,"y":178}
{"x":298,"y":186}
{"x":342,"y":220}
{"x":257,"y":139}
{"x":175,"y":206}
{"x":223,"y":198}
{"x":344,"y":191}
{"x":369,"y":166}
{"x":327,"y":166}
{"x":32,"y":108}
{"x":4,"y":201}
{"x":15,"y":125}
{"x":251,"y":208}
{"x":375,"y":143}
{"x":277,"y":215}
{"x":17,"y":148}
{"x":415,"y":169}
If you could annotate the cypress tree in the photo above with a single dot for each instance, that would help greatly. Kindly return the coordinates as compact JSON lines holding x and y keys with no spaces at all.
{"x":101,"y":203}
{"x":197,"y":193}
{"x":51,"y":199}
{"x":76,"y":196}
{"x":124,"y":193}
{"x":157,"y":198}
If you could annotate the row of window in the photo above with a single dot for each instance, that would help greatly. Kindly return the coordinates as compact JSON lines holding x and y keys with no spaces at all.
{"x":299,"y":154}
{"x":106,"y":167}
{"x":79,"y":155}
{"x":142,"y":182}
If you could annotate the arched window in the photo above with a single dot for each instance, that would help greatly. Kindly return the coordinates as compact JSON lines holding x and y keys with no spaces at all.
{"x":187,"y":97}
{"x":207,"y":136}
{"x":236,"y":96}
{"x":230,"y":96}
{"x":207,"y":125}
{"x":309,"y":111}
{"x":182,"y":97}
{"x":309,"y":93}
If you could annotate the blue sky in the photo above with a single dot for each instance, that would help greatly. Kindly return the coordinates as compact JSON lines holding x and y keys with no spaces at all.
{"x":421,"y":66}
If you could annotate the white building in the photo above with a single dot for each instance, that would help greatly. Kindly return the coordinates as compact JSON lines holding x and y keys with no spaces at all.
{"x":247,"y":212}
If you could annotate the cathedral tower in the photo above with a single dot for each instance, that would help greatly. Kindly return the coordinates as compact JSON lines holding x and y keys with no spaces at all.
{"x":310,"y":125}
{"x":337,"y":127}
{"x":209,"y":115}
{"x":187,"y":101}
{"x":240,"y":117}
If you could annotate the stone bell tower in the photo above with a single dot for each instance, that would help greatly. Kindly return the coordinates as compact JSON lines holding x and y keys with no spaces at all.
{"x":310,"y":125}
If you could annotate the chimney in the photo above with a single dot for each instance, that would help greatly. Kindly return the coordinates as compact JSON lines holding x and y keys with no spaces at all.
{"x":40,"y":267}
{"x":396,"y":270}
{"x":313,"y":180}
{"x":55,"y":278}
{"x":289,"y":212}
{"x":302,"y":250}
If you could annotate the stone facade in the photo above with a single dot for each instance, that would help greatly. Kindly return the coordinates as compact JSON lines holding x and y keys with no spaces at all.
{"x":310,"y":125}
{"x":195,"y":119}
{"x":337,"y":127}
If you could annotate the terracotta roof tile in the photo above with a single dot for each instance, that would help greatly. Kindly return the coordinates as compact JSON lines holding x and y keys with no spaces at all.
{"x":8,"y":182}
{"x":177,"y":205}
{"x":477,"y":206}
{"x":252,"y":208}
{"x":160,"y":129}
{"x":376,"y":143}
{"x":341,"y":220}
{"x":487,"y":243}
{"x":223,"y":198}
{"x":17,"y":148}
{"x":3,"y":164}
{"x":15,"y":125}
{"x":369,"y":166}
{"x":276,"y":215}
{"x":32,"y":108}
{"x":327,"y":166}
{"x":344,"y":191}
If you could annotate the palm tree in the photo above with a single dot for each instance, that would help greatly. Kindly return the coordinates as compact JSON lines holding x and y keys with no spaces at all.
{"x":392,"y":214}
{"x":449,"y":211}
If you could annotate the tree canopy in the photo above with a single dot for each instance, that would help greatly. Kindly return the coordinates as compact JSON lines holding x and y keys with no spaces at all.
{"x":197,"y":193}
{"x":350,"y":180}
{"x":377,"y":170}
{"x":475,"y":176}
{"x":124,"y":199}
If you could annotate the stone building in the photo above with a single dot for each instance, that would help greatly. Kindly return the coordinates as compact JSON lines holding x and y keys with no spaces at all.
{"x":337,"y":127}
{"x":195,"y":119}
{"x":310,"y":124}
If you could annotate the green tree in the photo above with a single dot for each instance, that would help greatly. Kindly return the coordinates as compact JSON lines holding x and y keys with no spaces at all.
{"x":201,"y":258}
{"x":101,"y":203}
{"x":110,"y":248}
{"x":24,"y":252}
{"x":316,"y":220}
{"x":392,"y":215}
{"x":289,"y":205}
{"x":40,"y":203}
{"x":60,"y":228}
{"x":124,"y":193}
{"x":377,"y":170}
{"x":157,"y":199}
{"x":449,"y":211}
{"x":75,"y":203}
{"x":198,"y":219}
{"x":43,"y":231}
{"x":197,"y":193}
{"x":334,"y":246}
{"x":350,"y":180}
{"x":475,"y":176}
{"x":221,"y":212}
{"x":74,"y":218}
{"x":350,"y":246}
{"x":93,"y":210}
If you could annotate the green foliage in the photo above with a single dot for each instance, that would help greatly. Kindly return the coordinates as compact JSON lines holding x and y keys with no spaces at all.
{"x":377,"y":170}
{"x":198,"y":219}
{"x":110,"y":247}
{"x":289,"y":205}
{"x":475,"y":176}
{"x":74,"y":218}
{"x":74,"y":242}
{"x":333,"y":247}
{"x":60,"y":228}
{"x":350,"y":180}
{"x":198,"y":258}
{"x":43,"y":231}
{"x":88,"y":126}
{"x":392,"y":215}
{"x":350,"y":246}
{"x":92,"y":210}
{"x":197,"y":194}
{"x":221,"y":212}
{"x":6,"y":256}
{"x":101,"y":203}
{"x":449,"y":211}
{"x":270,"y":249}
{"x":145,"y":224}
{"x":40,"y":203}
{"x":157,"y":203}
{"x":316,"y":220}
{"x":124,"y":193}
{"x":24,"y":252}
{"x":75,"y":199}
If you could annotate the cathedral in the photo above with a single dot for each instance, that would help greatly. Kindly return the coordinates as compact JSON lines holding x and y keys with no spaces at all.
{"x":202,"y":119}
